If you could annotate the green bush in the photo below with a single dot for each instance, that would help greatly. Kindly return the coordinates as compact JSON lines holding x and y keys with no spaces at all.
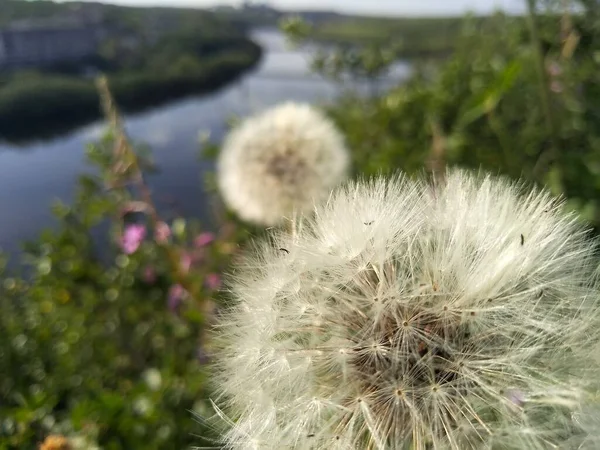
{"x":92,"y":346}
{"x":485,"y":104}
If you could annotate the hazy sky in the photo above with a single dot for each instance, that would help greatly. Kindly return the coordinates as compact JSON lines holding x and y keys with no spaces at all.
{"x":396,"y":7}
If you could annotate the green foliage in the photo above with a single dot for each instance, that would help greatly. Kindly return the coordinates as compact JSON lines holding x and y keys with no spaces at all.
{"x":89,"y":347}
{"x":17,"y":9}
{"x":140,"y":20}
{"x":484,"y":105}
{"x":367,"y":61}
{"x":410,"y":37}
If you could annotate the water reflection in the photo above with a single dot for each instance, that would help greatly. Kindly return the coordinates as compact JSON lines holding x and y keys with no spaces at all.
{"x":32,"y":176}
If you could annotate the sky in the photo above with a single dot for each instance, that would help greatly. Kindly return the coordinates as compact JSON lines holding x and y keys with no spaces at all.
{"x":394,"y":7}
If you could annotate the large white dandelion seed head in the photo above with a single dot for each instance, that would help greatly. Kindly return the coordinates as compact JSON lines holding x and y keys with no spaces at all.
{"x":280,"y":161}
{"x":406,"y":317}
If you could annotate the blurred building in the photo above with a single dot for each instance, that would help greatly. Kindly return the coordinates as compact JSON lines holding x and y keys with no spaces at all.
{"x":46,"y":42}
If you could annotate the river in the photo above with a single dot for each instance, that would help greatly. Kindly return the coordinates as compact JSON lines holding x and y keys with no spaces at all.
{"x":35,"y":174}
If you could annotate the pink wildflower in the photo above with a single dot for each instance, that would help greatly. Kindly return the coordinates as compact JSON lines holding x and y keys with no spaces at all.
{"x":213,"y":281}
{"x":186,"y":262}
{"x":162,"y":232}
{"x":149,"y":275}
{"x":203,"y":239}
{"x":176,"y":293}
{"x":132,"y":237}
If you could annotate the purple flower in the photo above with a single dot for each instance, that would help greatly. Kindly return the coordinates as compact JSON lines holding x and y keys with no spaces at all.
{"x":149,"y":275}
{"x":203,"y":239}
{"x":213,"y":281}
{"x":162,"y":232}
{"x":132,"y":237}
{"x":176,"y":293}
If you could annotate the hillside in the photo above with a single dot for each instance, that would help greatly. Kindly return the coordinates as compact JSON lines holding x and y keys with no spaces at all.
{"x":135,"y":19}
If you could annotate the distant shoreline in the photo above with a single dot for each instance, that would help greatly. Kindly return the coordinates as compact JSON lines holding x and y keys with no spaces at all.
{"x":50,"y":105}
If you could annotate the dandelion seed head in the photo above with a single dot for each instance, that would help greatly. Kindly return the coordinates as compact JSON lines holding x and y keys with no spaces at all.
{"x":405,"y":316}
{"x":279,"y":161}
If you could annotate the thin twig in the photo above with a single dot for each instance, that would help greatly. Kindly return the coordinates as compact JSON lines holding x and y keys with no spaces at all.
{"x":124,"y":150}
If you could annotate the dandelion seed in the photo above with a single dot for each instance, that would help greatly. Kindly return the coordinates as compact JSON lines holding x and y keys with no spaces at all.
{"x":588,"y":418}
{"x":516,"y":397}
{"x":281,"y":161}
{"x":464,"y":328}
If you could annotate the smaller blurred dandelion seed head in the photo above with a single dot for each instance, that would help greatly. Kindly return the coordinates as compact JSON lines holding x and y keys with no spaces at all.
{"x":281,"y":161}
{"x":404,"y":316}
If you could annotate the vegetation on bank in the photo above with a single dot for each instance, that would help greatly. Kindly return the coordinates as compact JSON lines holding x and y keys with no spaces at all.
{"x":411,"y":37}
{"x":150,"y":54}
{"x":109,"y":351}
{"x":419,"y":38}
{"x":505,"y":101}
{"x":139,"y":20}
{"x":38,"y":105}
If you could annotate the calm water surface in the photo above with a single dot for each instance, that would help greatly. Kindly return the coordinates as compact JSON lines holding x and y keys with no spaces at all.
{"x":33,"y":175}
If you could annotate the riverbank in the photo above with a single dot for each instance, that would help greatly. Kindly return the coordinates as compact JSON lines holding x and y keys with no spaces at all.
{"x":45,"y":105}
{"x":409,"y":37}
